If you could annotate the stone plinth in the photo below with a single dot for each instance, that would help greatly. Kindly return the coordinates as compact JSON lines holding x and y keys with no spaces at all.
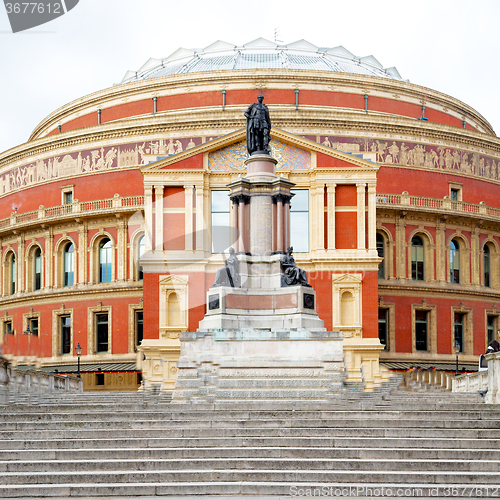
{"x":240,"y":308}
{"x":255,"y":364}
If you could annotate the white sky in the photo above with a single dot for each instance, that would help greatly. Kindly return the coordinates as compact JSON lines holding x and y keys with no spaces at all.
{"x":448,"y":45}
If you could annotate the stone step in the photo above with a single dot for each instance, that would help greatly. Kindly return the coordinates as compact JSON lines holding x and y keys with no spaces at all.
{"x":17,"y":471}
{"x":247,"y":452}
{"x":258,"y":475}
{"x":300,"y":441}
{"x":138,"y":431}
{"x":265,"y":490}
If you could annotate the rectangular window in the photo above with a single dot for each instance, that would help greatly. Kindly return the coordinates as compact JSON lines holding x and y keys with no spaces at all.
{"x":138,"y":328}
{"x":459,"y":330}
{"x":68,"y":200}
{"x":102,"y":332}
{"x":65,"y":334}
{"x":299,"y":220}
{"x":34,"y":326}
{"x":421,"y":330}
{"x":9,"y":328}
{"x":383,"y":327}
{"x":221,"y":223}
{"x":99,"y":379}
{"x":491,"y":326}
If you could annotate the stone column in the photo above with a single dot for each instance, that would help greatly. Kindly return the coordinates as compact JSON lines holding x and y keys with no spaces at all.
{"x":275,"y":225}
{"x":372,"y":217}
{"x":188,"y":220}
{"x":82,"y":252}
{"x":280,"y":224}
{"x":21,"y":253}
{"x":400,"y":248}
{"x":287,"y":223}
{"x":475,"y":257}
{"x":245,"y":228}
{"x":320,"y":210}
{"x":235,"y":225}
{"x":331,"y":215}
{"x":441,"y":253}
{"x":159,"y":218}
{"x":49,"y":258}
{"x":121,"y":249}
{"x":361,"y":215}
{"x":200,"y":225}
{"x":148,"y":214}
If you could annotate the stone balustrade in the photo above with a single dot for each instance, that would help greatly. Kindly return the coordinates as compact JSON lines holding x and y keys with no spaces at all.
{"x":60,"y":212}
{"x":34,"y":382}
{"x":470,"y":382}
{"x":436,"y":204}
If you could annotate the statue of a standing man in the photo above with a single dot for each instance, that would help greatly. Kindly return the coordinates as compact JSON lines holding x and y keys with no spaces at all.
{"x":258,"y":128}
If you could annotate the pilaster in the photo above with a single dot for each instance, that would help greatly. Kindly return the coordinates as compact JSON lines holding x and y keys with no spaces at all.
{"x":372,"y":217}
{"x":474,"y":244}
{"x":331,"y":215}
{"x":148,"y":214}
{"x":82,"y":253}
{"x":401,"y":248}
{"x":361,"y":210}
{"x":188,"y":220}
{"x":121,"y":249}
{"x":200,"y":223}
{"x":159,"y":218}
{"x":441,"y":252}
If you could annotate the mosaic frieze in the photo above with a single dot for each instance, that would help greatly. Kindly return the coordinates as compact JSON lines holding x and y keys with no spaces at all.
{"x":233,"y":157}
{"x":414,"y":154}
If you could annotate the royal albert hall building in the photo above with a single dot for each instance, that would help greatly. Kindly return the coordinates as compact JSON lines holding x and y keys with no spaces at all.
{"x":112,"y":214}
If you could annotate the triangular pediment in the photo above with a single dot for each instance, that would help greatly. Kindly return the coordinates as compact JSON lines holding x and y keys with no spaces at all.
{"x":260,"y":43}
{"x":302,"y":45}
{"x":219,"y":45}
{"x":228,"y":153}
{"x":348,"y":278}
{"x":173,"y":280}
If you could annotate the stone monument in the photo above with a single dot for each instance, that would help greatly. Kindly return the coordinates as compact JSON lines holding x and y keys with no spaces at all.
{"x":261,"y":338}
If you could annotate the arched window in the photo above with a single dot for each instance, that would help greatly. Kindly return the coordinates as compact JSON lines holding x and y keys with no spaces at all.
{"x":142,"y":242}
{"x":454,"y":261}
{"x":37,"y":269}
{"x":381,"y":253}
{"x":486,"y":265}
{"x":69,"y":265}
{"x":10,"y":282}
{"x":417,"y":259}
{"x":105,"y":260}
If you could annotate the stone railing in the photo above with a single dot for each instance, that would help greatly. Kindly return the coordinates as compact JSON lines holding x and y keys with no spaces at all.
{"x":493,"y":394}
{"x":470,"y":382}
{"x":445,"y":204}
{"x":427,"y":378}
{"x":33,"y":383}
{"x":110,"y":205}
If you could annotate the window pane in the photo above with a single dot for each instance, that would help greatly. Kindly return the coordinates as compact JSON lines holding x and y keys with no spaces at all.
{"x":421,"y":330}
{"x":382,"y":327}
{"x":65,"y":334}
{"x":138,"y":327}
{"x":142,"y":246}
{"x":459,"y":330}
{"x":102,"y":332}
{"x":105,"y":252}
{"x":34,"y":327}
{"x":454,"y":262}
{"x":381,"y":251}
{"x":221,"y":224}
{"x":486,"y":265}
{"x":68,"y":265}
{"x":299,"y":231}
{"x":299,"y":220}
{"x":13,"y":274}
{"x":38,"y":270}
{"x":490,"y":326}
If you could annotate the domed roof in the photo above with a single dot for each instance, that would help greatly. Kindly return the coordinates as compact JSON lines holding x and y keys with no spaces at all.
{"x":261,"y":53}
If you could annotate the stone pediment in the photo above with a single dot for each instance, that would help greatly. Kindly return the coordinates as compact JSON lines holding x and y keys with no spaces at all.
{"x":227,"y":153}
{"x":347,"y":278}
{"x":173,"y":280}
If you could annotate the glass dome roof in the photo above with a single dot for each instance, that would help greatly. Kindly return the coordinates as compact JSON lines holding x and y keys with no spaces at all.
{"x":261,"y":53}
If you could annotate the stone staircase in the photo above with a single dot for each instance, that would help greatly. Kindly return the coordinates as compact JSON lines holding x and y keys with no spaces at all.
{"x":130,"y":444}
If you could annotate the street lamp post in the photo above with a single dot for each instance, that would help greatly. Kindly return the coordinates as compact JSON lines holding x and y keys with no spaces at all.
{"x":457,"y":350}
{"x":78,"y":351}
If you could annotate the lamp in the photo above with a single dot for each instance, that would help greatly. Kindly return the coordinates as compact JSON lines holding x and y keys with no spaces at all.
{"x":457,"y":350}
{"x":78,"y":351}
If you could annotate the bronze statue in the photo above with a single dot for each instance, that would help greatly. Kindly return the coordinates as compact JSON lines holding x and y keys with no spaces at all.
{"x":292,"y":275}
{"x":258,"y":128}
{"x":229,"y":275}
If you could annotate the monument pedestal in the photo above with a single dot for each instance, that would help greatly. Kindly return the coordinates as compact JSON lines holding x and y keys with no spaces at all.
{"x":257,"y":365}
